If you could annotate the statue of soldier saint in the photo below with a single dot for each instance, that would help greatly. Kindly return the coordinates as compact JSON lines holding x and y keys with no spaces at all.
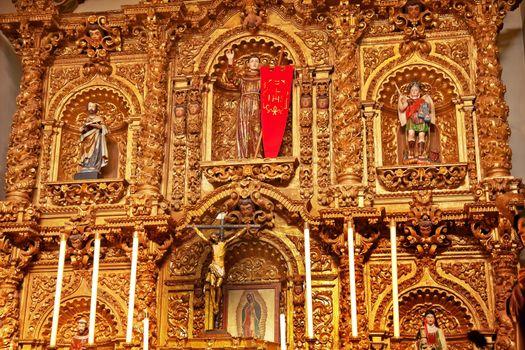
{"x":93,"y":155}
{"x":216,"y":270}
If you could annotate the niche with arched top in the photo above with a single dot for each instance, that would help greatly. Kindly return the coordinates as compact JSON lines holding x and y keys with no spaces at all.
{"x":442,"y":136}
{"x":114,"y":110}
{"x":106,"y":328}
{"x":227,"y":104}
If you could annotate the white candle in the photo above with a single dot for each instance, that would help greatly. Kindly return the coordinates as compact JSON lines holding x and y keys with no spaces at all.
{"x":308,"y":271}
{"x":132,"y":283}
{"x":146,"y":332}
{"x":94,"y":290}
{"x":351,"y":266}
{"x":395,"y":293}
{"x":283,"y":331}
{"x":58,"y":290}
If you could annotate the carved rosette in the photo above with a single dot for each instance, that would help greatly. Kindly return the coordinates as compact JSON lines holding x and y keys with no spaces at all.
{"x":86,"y":192}
{"x":412,"y":178}
{"x":34,"y":43}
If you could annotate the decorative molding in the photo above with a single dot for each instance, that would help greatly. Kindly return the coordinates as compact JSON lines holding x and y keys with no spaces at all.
{"x":422,"y":177}
{"x":86,"y":192}
{"x":278,"y":170}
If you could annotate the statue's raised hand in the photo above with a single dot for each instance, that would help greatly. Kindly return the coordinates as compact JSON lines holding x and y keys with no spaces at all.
{"x":229,"y":56}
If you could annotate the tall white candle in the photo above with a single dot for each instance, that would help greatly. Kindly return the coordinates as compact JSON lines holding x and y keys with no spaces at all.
{"x":94,"y":291}
{"x":132,"y":283}
{"x":58,"y":289}
{"x":308,"y":272}
{"x":395,"y":293}
{"x":283,"y":331}
{"x":146,"y":332}
{"x":351,"y":266}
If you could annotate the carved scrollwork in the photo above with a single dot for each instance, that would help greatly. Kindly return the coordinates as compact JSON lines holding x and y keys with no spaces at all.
{"x":425,"y":229}
{"x":184,"y":261}
{"x":280,"y":170}
{"x":98,"y":39}
{"x":86,"y":192}
{"x":411,"y":178}
{"x":178,"y":315}
{"x":252,"y":269}
{"x":413,"y":19}
{"x":323,"y":315}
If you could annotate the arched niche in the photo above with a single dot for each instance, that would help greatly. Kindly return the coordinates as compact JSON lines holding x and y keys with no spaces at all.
{"x":226,"y":96}
{"x":444,"y":133}
{"x":115,"y":111}
{"x":106,"y":325}
{"x":454,"y":316}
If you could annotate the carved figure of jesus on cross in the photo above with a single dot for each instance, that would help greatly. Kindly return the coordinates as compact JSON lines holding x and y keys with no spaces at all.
{"x":216,"y":269}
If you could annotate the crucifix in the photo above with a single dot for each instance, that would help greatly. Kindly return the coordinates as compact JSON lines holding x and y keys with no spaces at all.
{"x":216,"y":269}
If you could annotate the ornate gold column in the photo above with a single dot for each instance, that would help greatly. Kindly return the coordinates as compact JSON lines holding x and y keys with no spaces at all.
{"x":299,"y":315}
{"x":152,"y":138}
{"x":496,"y":236}
{"x":347,"y":130}
{"x":194,"y":125}
{"x":16,"y":253}
{"x":505,"y":263}
{"x":485,"y":20}
{"x":34,"y":43}
{"x":306,"y":134}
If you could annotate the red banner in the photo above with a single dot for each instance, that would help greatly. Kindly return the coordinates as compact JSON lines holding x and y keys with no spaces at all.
{"x":276,"y":92}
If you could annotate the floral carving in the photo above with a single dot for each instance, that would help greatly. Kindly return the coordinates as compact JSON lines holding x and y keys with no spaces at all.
{"x":374,"y":56}
{"x":472,"y":273}
{"x":279,"y":170}
{"x":457,"y":50}
{"x":410,"y":178}
{"x":252,"y":269}
{"x":317,"y":42}
{"x":178,"y":315}
{"x":87,"y":192}
{"x":184,"y":261}
{"x":323,"y":317}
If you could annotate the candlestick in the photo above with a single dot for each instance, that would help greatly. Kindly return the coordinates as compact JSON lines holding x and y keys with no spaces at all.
{"x":94,"y":290}
{"x":58,"y":289}
{"x":351,"y":266}
{"x":395,"y":293}
{"x":308,"y":272}
{"x":283,"y":331}
{"x":146,"y":332}
{"x":132,"y":283}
